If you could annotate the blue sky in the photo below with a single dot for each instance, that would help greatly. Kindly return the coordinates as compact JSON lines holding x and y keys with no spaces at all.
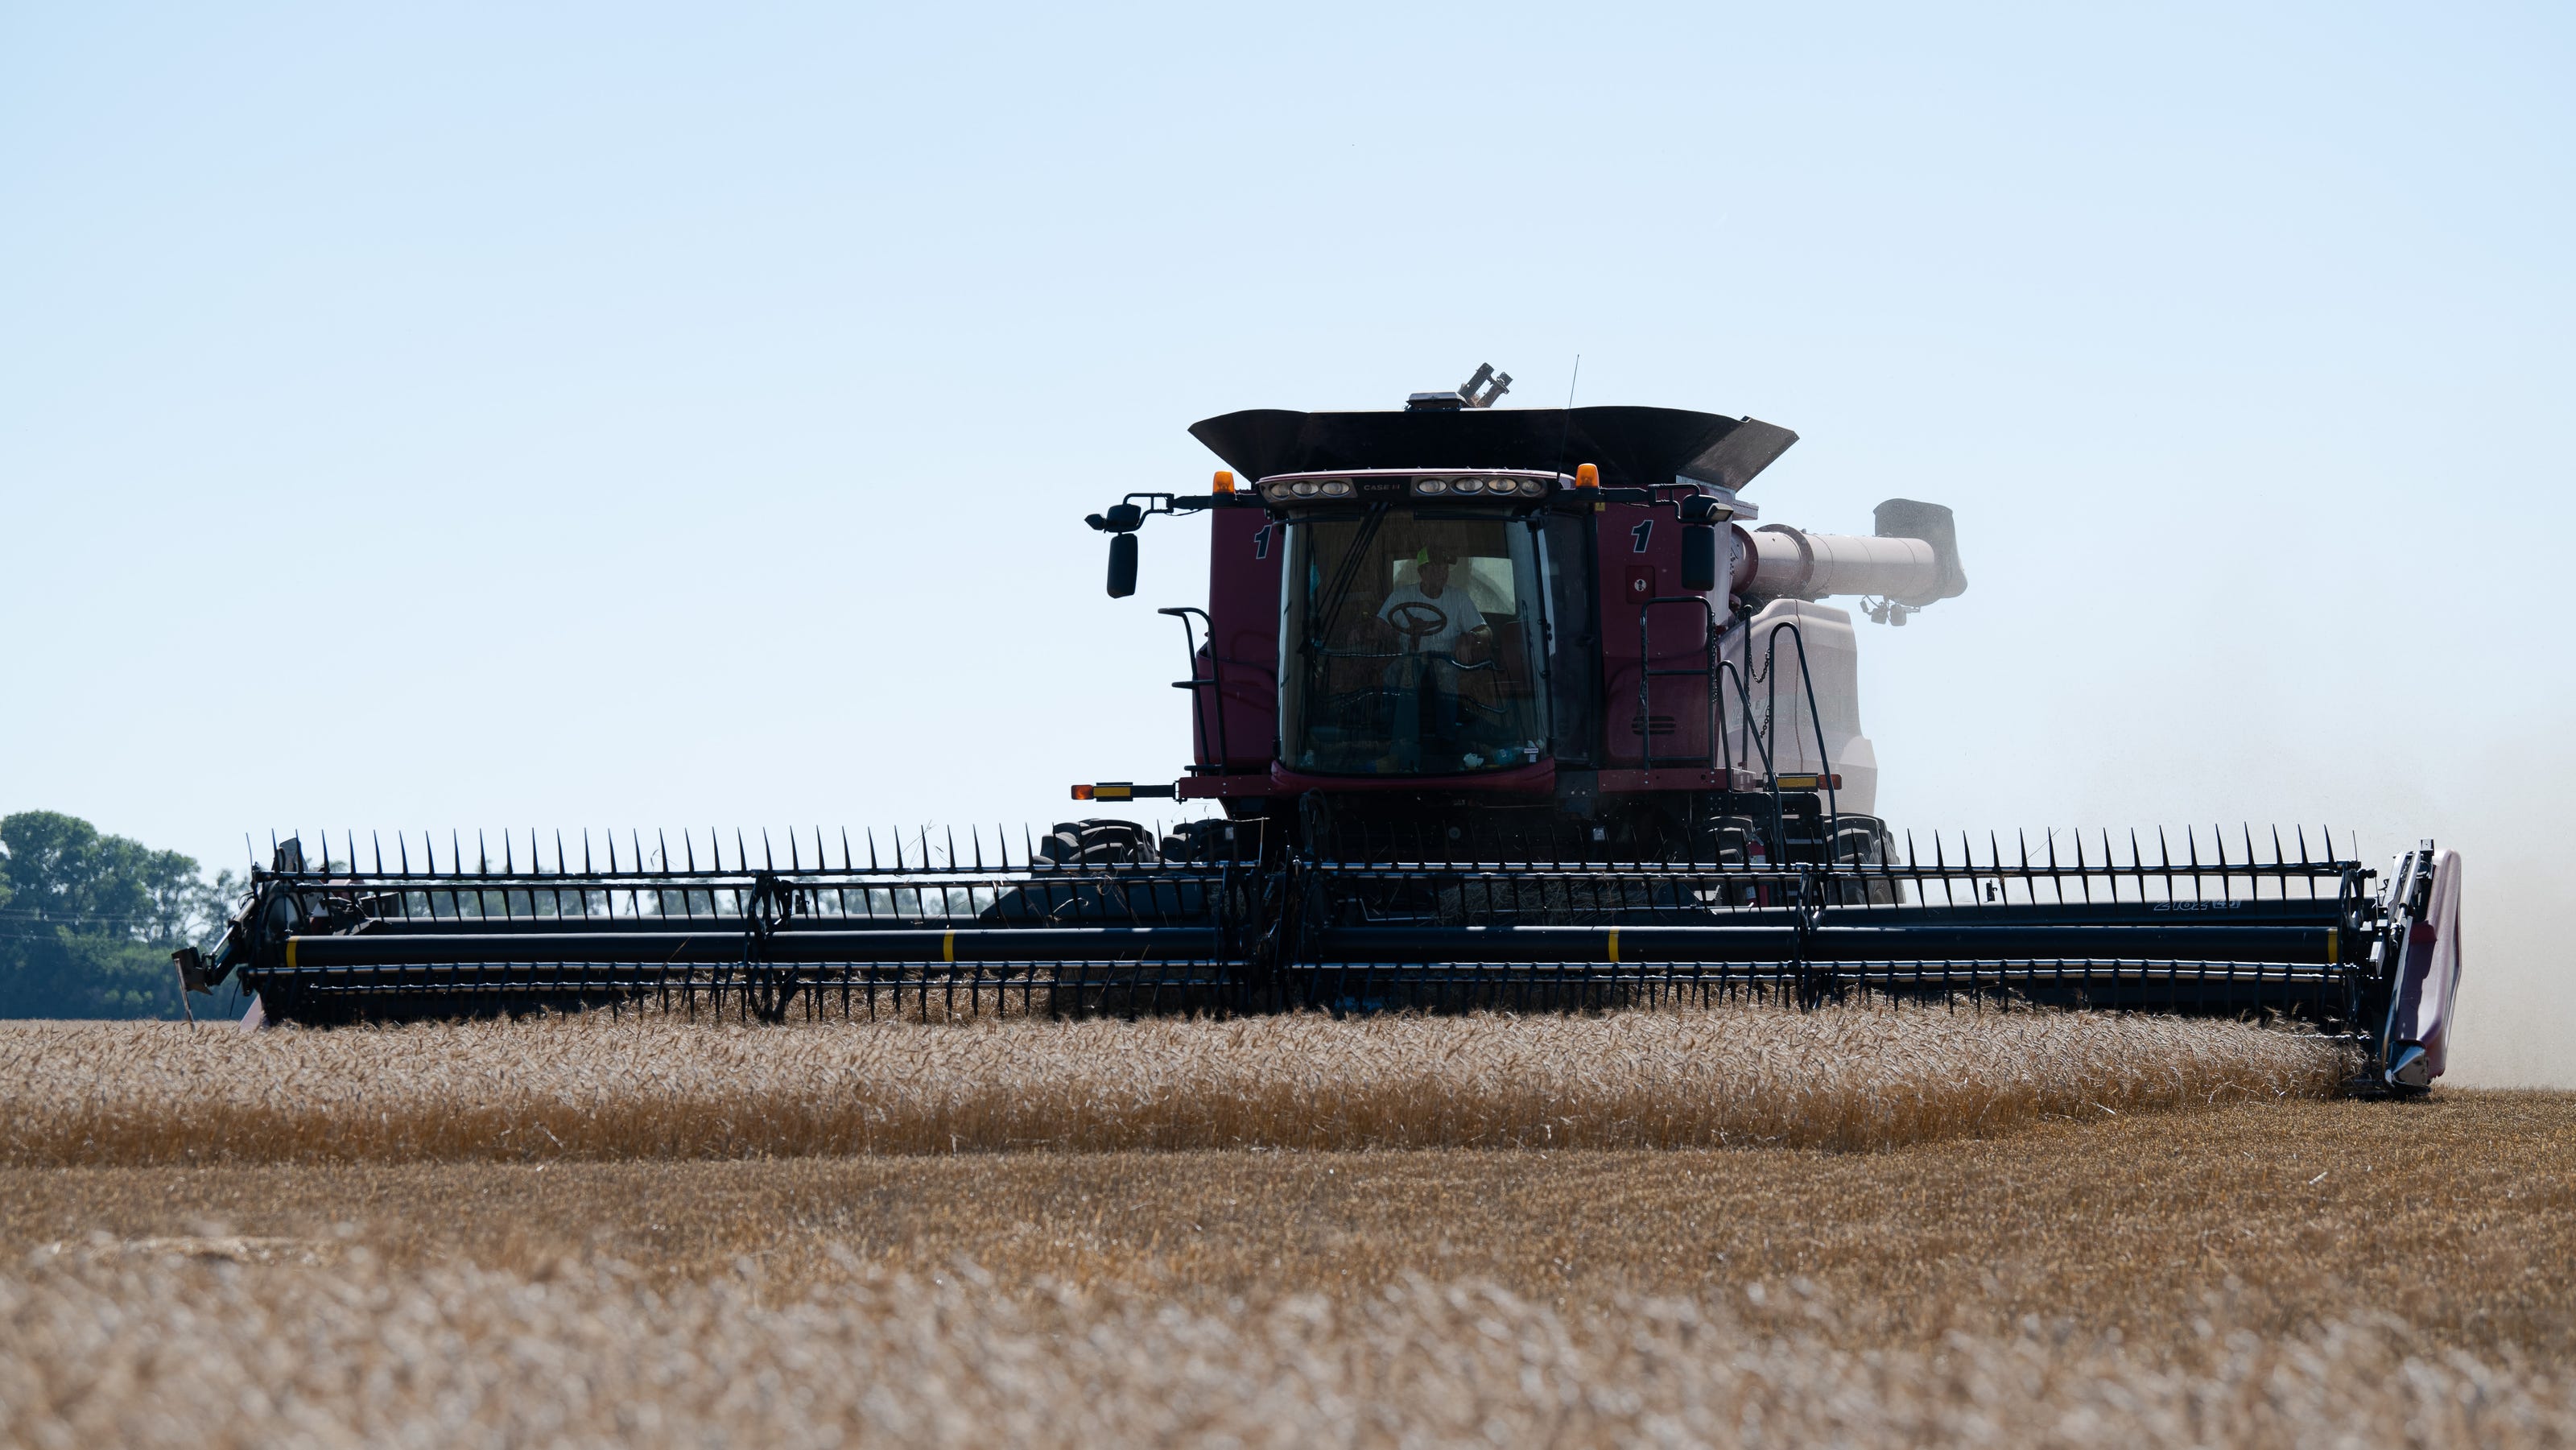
{"x":630,"y":415}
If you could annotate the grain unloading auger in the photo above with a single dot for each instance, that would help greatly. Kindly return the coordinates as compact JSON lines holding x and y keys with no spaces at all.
{"x":1500,"y":708}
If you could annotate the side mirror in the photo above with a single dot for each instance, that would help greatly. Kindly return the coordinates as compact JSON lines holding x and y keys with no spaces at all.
{"x":1699,"y":558}
{"x":1122,"y":565}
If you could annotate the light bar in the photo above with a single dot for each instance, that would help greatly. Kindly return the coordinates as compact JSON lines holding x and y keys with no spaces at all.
{"x":1120,"y":790}
{"x":1375,"y":484}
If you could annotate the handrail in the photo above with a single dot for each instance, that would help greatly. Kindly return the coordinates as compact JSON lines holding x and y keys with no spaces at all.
{"x":1224,"y":753}
{"x":1815,"y":718}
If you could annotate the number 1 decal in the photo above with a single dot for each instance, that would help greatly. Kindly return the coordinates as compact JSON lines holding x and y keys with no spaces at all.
{"x":1261,"y":542}
{"x":1641,"y":533}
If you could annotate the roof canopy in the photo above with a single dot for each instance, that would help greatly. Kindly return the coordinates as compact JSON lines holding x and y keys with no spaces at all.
{"x":1632,"y":447}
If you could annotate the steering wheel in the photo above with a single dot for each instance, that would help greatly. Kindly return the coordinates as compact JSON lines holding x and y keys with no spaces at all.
{"x":1415,"y":619}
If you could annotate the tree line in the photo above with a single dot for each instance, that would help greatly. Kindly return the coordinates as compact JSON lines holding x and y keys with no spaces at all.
{"x":88,"y":920}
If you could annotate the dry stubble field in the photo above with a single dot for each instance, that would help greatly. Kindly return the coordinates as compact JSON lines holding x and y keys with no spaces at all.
{"x":1742,"y":1227}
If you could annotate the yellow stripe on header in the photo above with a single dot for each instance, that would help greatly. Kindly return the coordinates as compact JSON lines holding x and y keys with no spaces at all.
{"x":290,"y":954}
{"x":948,"y":947}
{"x":1614,"y":943}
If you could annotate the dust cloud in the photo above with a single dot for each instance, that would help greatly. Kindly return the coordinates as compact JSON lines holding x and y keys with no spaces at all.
{"x":2517,"y":1007}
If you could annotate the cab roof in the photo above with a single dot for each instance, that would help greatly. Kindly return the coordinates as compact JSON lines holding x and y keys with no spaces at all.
{"x":1633,"y":447}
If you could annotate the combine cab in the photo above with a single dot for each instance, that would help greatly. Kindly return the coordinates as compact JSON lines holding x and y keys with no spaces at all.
{"x":1501,"y":708}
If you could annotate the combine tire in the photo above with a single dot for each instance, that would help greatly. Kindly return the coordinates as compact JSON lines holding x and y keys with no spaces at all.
{"x":1099,"y":843}
{"x":1864,"y":841}
{"x":1206,"y":842}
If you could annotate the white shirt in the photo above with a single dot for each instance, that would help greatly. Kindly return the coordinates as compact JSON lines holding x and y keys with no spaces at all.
{"x":1463,"y":616}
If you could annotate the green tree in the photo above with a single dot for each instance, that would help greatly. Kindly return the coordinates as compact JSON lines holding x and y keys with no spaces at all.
{"x":88,"y":921}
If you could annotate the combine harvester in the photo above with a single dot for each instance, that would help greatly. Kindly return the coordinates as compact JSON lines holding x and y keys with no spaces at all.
{"x":1502,"y":708}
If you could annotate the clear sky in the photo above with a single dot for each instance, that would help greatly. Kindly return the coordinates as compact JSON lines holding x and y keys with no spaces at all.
{"x":621,"y":415}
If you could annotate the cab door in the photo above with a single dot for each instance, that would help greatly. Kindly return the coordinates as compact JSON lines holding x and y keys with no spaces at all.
{"x":1637,"y":551}
{"x":1236,"y":719}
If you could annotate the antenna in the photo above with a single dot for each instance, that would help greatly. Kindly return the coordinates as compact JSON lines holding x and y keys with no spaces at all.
{"x":1565,"y":432}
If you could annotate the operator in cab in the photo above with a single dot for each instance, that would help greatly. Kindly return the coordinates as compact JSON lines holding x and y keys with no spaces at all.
{"x":1438,"y":630}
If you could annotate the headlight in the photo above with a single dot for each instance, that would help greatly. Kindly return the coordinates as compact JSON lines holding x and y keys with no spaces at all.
{"x":1533,"y":486}
{"x":1278,"y":492}
{"x":1337,"y":487}
{"x":1471,"y":485}
{"x":1431,"y":485}
{"x":1304,"y":488}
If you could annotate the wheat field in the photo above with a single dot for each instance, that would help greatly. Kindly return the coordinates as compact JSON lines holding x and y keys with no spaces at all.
{"x":1745,"y":1228}
{"x":658,"y":1088}
{"x":162,"y":1351}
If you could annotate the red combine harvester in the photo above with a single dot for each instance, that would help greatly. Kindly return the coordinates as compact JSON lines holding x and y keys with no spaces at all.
{"x":1501,"y":708}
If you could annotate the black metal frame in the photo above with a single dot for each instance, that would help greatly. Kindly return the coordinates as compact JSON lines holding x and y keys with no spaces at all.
{"x":945,"y":932}
{"x":2288,"y":937}
{"x":332,"y":943}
